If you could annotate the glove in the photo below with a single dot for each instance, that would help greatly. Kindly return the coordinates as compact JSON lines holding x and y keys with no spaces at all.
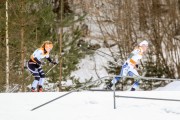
{"x":137,"y":66}
{"x":54,"y":62}
{"x":40,"y":65}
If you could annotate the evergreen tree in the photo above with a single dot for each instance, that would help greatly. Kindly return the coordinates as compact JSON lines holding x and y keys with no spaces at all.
{"x":38,"y":20}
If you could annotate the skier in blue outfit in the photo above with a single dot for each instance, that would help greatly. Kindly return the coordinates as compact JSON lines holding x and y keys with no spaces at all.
{"x":130,"y":65}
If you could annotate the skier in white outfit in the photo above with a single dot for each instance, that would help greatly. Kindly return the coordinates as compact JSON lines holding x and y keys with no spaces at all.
{"x":130,"y":65}
{"x":34,"y":65}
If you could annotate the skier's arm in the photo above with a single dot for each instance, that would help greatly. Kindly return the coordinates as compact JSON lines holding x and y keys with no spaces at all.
{"x":37,"y":61}
{"x":50,"y":60}
{"x":130,"y":56}
{"x":134,"y":52}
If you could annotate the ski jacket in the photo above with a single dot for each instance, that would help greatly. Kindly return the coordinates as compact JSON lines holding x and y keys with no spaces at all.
{"x":135,"y":56}
{"x":40,"y":54}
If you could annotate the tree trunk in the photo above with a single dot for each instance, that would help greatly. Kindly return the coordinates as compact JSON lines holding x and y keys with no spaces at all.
{"x":179,"y":5}
{"x":22,"y":47}
{"x":142,"y":16}
{"x":7,"y":49}
{"x":60,"y":42}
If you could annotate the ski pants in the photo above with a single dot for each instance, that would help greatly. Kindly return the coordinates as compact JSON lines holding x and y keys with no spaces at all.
{"x":37,"y":72}
{"x":127,"y":69}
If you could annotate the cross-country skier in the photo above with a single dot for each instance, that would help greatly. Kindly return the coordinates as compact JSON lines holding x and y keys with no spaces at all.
{"x":131,"y":64}
{"x":34,"y":65}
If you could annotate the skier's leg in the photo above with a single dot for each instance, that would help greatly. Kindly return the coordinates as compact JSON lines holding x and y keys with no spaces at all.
{"x":35,"y":82}
{"x":33,"y":69}
{"x":124,"y":71}
{"x":135,"y":85}
{"x":41,"y":81}
{"x":134,"y":72}
{"x":34,"y":85}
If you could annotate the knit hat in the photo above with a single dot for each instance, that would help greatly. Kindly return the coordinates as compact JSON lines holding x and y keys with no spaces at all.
{"x":144,"y":42}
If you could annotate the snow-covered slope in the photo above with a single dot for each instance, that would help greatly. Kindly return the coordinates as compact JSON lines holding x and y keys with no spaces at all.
{"x":90,"y":106}
{"x":173,"y":86}
{"x":93,"y":66}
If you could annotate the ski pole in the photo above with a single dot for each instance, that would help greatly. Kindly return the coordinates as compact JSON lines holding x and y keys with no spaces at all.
{"x":50,"y":69}
{"x":105,"y":53}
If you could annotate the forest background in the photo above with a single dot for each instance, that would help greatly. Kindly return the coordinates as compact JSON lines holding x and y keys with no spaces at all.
{"x":25,"y":24}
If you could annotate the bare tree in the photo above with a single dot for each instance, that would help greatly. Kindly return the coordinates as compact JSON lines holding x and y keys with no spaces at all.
{"x":142,"y":15}
{"x":128,"y":21}
{"x":22,"y":45}
{"x":7,"y":49}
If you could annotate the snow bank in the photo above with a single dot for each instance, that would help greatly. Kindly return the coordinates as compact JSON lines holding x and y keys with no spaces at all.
{"x":89,"y":106}
{"x":173,"y":86}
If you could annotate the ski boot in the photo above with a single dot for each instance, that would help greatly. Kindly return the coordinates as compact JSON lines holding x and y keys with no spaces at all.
{"x":40,"y":88}
{"x":132,"y":89}
{"x":109,"y":86}
{"x":33,"y":89}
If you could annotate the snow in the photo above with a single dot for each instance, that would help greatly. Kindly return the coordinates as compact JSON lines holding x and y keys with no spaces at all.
{"x":94,"y":66}
{"x":173,"y":86}
{"x":89,"y":105}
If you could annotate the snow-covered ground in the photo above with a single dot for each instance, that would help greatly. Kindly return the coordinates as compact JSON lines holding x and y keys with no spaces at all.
{"x":173,"y":86}
{"x":88,"y":105}
{"x":92,"y":66}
